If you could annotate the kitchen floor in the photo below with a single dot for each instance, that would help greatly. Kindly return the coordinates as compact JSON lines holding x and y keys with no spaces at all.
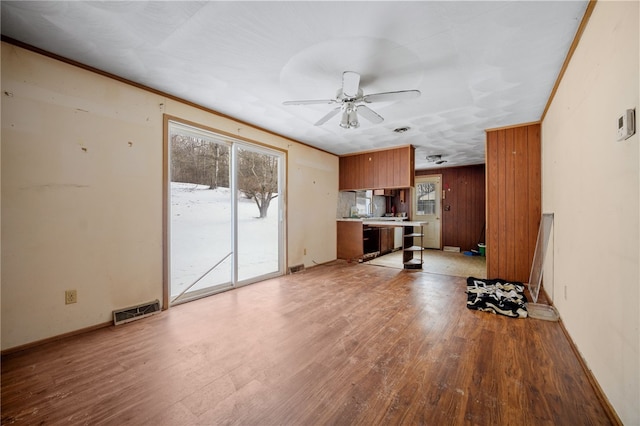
{"x":439,"y":262}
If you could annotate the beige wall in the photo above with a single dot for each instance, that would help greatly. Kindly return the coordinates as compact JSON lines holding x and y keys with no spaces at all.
{"x":591,"y":184}
{"x":82,"y":195}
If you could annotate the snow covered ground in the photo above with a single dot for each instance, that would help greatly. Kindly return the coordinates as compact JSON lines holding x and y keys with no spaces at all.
{"x":201,"y":237}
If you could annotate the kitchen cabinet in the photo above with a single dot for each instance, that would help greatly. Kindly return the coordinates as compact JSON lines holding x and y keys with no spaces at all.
{"x":391,"y":168}
{"x":358,"y":240}
{"x":370,"y":240}
{"x":385,"y":192}
{"x":386,"y":240}
{"x":350,"y":240}
{"x":351,"y":171}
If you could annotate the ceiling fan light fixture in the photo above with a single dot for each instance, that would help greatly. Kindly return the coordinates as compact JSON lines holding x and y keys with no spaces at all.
{"x":351,"y":97}
{"x":353,"y":119}
{"x":344,"y":121}
{"x":349,"y":118}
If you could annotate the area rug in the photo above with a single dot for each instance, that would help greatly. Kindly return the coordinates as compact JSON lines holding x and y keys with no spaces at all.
{"x":497,"y":296}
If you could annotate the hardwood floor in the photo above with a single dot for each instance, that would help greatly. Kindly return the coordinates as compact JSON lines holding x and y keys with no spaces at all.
{"x":339,"y":344}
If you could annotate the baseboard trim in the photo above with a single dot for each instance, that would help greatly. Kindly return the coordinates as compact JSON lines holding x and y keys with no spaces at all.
{"x":54,"y":338}
{"x":608,"y":408}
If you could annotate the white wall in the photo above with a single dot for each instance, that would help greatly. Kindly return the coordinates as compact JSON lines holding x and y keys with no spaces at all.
{"x":82,"y":195}
{"x":591,"y":183}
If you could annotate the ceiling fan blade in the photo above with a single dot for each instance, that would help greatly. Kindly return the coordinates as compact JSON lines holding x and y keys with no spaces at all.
{"x":310,"y":102}
{"x":370,"y":114}
{"x":327,"y":117}
{"x":350,"y":84}
{"x":391,"y":96}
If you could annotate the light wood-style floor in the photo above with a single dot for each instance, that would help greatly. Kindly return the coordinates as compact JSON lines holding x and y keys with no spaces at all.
{"x":439,"y":262}
{"x":336,"y":344}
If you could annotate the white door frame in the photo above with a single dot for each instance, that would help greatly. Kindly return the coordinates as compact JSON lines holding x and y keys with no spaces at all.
{"x":234,"y":145}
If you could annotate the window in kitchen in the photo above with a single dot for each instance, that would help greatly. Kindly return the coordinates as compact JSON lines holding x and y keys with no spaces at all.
{"x":363,"y":202}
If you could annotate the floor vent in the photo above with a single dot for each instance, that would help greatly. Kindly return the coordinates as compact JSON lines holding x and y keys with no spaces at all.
{"x":125,"y":315}
{"x":296,"y":268}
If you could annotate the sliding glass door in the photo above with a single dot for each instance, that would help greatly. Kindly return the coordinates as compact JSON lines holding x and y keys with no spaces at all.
{"x":225,"y":223}
{"x":259,"y":212}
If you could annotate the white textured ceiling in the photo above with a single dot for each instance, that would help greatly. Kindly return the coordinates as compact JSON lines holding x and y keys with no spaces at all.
{"x":478,"y":64}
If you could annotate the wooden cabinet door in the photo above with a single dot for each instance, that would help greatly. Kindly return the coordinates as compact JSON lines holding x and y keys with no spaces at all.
{"x":368,"y":170}
{"x":349,"y":173}
{"x":349,"y":239}
{"x":386,"y":243}
{"x":400,"y":167}
{"x":384,"y":240}
{"x":381,"y":165}
{"x":396,"y":168}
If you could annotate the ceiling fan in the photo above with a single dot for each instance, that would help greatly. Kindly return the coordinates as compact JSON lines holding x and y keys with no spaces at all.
{"x":352,"y":99}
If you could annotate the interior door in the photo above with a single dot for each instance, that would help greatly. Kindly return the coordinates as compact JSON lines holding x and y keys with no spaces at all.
{"x":427,"y":208}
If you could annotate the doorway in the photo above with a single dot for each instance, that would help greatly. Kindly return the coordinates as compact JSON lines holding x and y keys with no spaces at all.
{"x":427,"y":208}
{"x":224,"y":213}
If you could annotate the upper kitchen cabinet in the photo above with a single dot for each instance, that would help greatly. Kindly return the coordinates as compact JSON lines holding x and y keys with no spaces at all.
{"x":390,"y":168}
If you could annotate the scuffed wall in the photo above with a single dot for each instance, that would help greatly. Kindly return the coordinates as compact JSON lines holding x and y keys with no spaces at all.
{"x":82,"y":195}
{"x":591,"y":182}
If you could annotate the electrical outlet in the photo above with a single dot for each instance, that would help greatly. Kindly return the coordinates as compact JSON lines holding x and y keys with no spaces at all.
{"x":305,"y":252}
{"x":70,"y":296}
{"x":565,"y":292}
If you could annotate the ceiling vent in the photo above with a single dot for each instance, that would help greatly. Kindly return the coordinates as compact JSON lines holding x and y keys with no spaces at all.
{"x":435,"y":159}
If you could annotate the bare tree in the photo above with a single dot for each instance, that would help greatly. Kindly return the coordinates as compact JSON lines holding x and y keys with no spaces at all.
{"x":199,"y":161}
{"x":258,"y":178}
{"x":204,"y":162}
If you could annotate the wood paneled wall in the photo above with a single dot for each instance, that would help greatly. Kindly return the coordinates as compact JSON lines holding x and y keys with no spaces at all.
{"x":513,"y":200}
{"x":463,"y":223}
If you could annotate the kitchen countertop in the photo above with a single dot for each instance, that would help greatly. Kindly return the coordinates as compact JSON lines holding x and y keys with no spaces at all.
{"x":399,"y":221}
{"x":382,"y":218}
